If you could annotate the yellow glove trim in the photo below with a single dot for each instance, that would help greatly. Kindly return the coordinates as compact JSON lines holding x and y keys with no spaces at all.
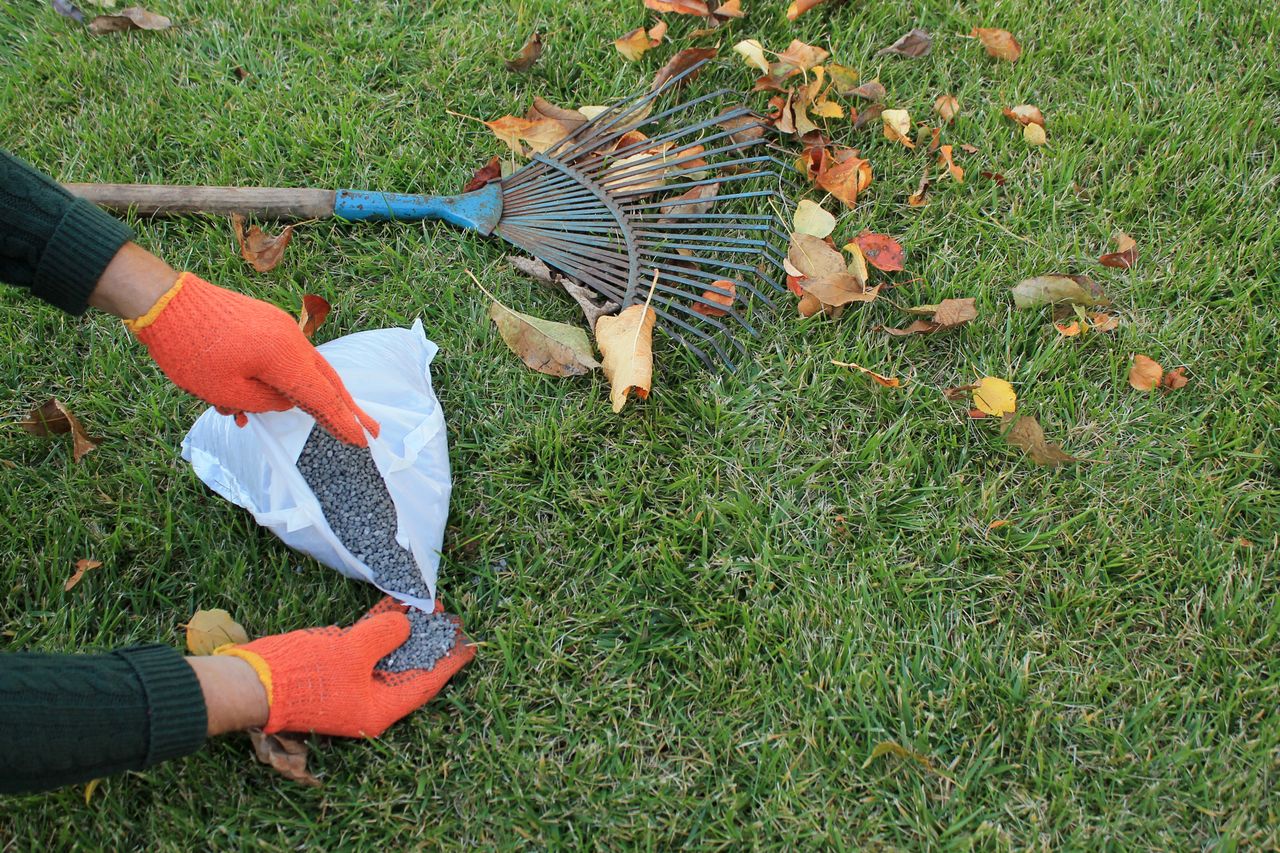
{"x":254,"y":660}
{"x":138,"y":324}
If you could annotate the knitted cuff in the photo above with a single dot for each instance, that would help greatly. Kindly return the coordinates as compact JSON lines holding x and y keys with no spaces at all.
{"x":179,"y":720}
{"x":137,"y":324}
{"x":82,"y":245}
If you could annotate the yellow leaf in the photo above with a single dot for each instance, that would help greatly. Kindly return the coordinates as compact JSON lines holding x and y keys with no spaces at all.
{"x":209,"y":629}
{"x":994,"y":396}
{"x":811,"y":219}
{"x":753,"y":52}
{"x":1034,"y":134}
{"x":556,"y":349}
{"x":857,"y":261}
{"x":897,"y":124}
{"x":626,"y":342}
{"x":90,"y":788}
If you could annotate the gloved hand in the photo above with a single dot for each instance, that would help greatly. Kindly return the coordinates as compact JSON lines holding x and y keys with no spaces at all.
{"x":323,"y":679}
{"x":242,"y":355}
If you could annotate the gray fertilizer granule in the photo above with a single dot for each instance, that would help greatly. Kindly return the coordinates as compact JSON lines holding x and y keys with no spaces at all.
{"x":431,"y":637}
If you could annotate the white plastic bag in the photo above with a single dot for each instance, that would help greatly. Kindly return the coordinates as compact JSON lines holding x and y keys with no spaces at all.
{"x":388,"y":374}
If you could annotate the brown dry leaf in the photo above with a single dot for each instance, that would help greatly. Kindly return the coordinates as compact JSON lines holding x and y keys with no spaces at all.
{"x":914,"y":44}
{"x":838,"y":289}
{"x":798,"y":57}
{"x":799,"y":7}
{"x":1144,"y":373}
{"x":240,"y":73}
{"x":54,"y":418}
{"x":1054,"y":288}
{"x":528,"y":55}
{"x":1125,"y":254}
{"x":995,"y":176}
{"x":592,"y":304}
{"x":692,"y":202}
{"x":881,"y":251}
{"x":556,"y":349}
{"x":1024,"y":114}
{"x":1174,"y":379}
{"x":1100,"y":321}
{"x":626,"y":342}
{"x":257,"y":247}
{"x":742,"y":128}
{"x":132,"y":18}
{"x":681,"y":62}
{"x":947,"y":315}
{"x":285,"y":753}
{"x":1034,"y":134}
{"x":315,"y":310}
{"x":1025,"y":432}
{"x":872,"y":90}
{"x":895,"y":749}
{"x":897,"y":124}
{"x":956,"y":393}
{"x":918,"y":198}
{"x":82,"y":566}
{"x":679,"y":7}
{"x":490,"y":171}
{"x":868,"y":115}
{"x":725,"y":10}
{"x":725,"y":299}
{"x":846,"y":178}
{"x":813,"y":257}
{"x":998,"y":523}
{"x":209,"y":629}
{"x":947,"y":107}
{"x":886,"y":381}
{"x":542,"y":126}
{"x":944,"y":158}
{"x":635,"y":43}
{"x":999,"y":43}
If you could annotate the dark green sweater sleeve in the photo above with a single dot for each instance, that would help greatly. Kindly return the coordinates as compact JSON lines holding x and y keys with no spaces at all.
{"x":71,"y":718}
{"x":52,"y":243}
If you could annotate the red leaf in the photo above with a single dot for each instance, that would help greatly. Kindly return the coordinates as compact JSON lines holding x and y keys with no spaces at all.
{"x":490,"y":171}
{"x":720,"y":298}
{"x":881,"y":251}
{"x":680,"y":63}
{"x":314,"y":312}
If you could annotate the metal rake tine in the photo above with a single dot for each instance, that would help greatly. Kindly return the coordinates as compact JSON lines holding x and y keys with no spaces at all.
{"x":581,"y":147}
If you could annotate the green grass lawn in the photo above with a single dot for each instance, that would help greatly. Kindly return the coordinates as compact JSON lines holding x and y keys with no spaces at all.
{"x":699,"y":618}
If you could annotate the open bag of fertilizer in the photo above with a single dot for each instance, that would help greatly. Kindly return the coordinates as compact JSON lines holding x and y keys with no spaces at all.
{"x":376,"y":515}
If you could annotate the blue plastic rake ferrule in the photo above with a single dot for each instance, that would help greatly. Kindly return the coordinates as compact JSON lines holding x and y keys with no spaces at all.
{"x":476,"y":211}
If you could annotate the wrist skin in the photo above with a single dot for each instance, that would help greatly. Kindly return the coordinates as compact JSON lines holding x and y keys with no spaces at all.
{"x":132,"y":283}
{"x":233,"y":696}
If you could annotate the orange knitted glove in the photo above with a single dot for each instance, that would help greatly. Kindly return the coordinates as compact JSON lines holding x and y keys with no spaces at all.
{"x":323,"y":679}
{"x":242,"y":355}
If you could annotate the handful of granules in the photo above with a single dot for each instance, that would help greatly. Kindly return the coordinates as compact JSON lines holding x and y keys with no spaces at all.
{"x":359,"y":510}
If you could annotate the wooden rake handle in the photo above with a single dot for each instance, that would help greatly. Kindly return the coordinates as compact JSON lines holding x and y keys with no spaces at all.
{"x":164,"y":200}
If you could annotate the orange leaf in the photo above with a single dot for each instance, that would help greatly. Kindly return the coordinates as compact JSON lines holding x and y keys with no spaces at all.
{"x":635,"y":43}
{"x":528,"y":54}
{"x":54,"y":418}
{"x":1067,"y":330}
{"x":82,"y":566}
{"x":880,"y":250}
{"x":1125,"y":254}
{"x":798,"y":57}
{"x":846,"y":179}
{"x":886,"y":381}
{"x":944,"y":157}
{"x":681,"y":62}
{"x":1174,"y":379}
{"x":947,"y":107}
{"x":799,"y":7}
{"x":679,"y":7}
{"x":626,"y":344}
{"x":1024,"y":114}
{"x":315,"y":310}
{"x":261,"y":250}
{"x":1144,"y":374}
{"x":725,"y":299}
{"x":999,"y":43}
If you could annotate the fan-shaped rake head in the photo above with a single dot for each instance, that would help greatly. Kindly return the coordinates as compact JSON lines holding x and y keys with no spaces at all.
{"x":686,"y":192}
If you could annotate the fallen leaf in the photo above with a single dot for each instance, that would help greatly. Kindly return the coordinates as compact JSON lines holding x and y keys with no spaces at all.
{"x":543,"y":125}
{"x":799,"y":7}
{"x":742,"y":128}
{"x":947,"y":107}
{"x":881,"y":251}
{"x":1049,"y":289}
{"x":994,"y":396}
{"x":947,"y":315}
{"x":82,"y":566}
{"x":1125,"y":254}
{"x":998,"y":523}
{"x":725,"y":299}
{"x":626,"y":342}
{"x":957,"y":393}
{"x":634,"y":44}
{"x":679,"y":7}
{"x":725,"y":10}
{"x":995,"y":176}
{"x":528,"y":55}
{"x":692,"y":202}
{"x":868,"y":115}
{"x":1144,"y":373}
{"x":209,"y":629}
{"x":1067,"y":330}
{"x":681,"y":62}
{"x":257,"y":247}
{"x":845,"y":179}
{"x":1174,"y":379}
{"x":592,"y":305}
{"x":944,"y":158}
{"x":54,"y":418}
{"x":1024,"y":114}
{"x":918,"y":198}
{"x":1024,"y":431}
{"x":886,"y":381}
{"x":1102,"y":322}
{"x":857,"y":262}
{"x":1034,"y":134}
{"x":897,"y":124}
{"x":240,"y":73}
{"x":556,"y":349}
{"x":315,"y":310}
{"x":132,"y":18}
{"x":285,"y":753}
{"x":811,"y":219}
{"x":914,"y":44}
{"x":999,"y":43}
{"x":838,"y":289}
{"x":490,"y":171}
{"x":844,"y":80}
{"x":90,"y":788}
{"x":812,"y":257}
{"x":872,"y":90}
{"x":798,"y":57}
{"x":752,"y":52}
{"x":895,"y":749}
